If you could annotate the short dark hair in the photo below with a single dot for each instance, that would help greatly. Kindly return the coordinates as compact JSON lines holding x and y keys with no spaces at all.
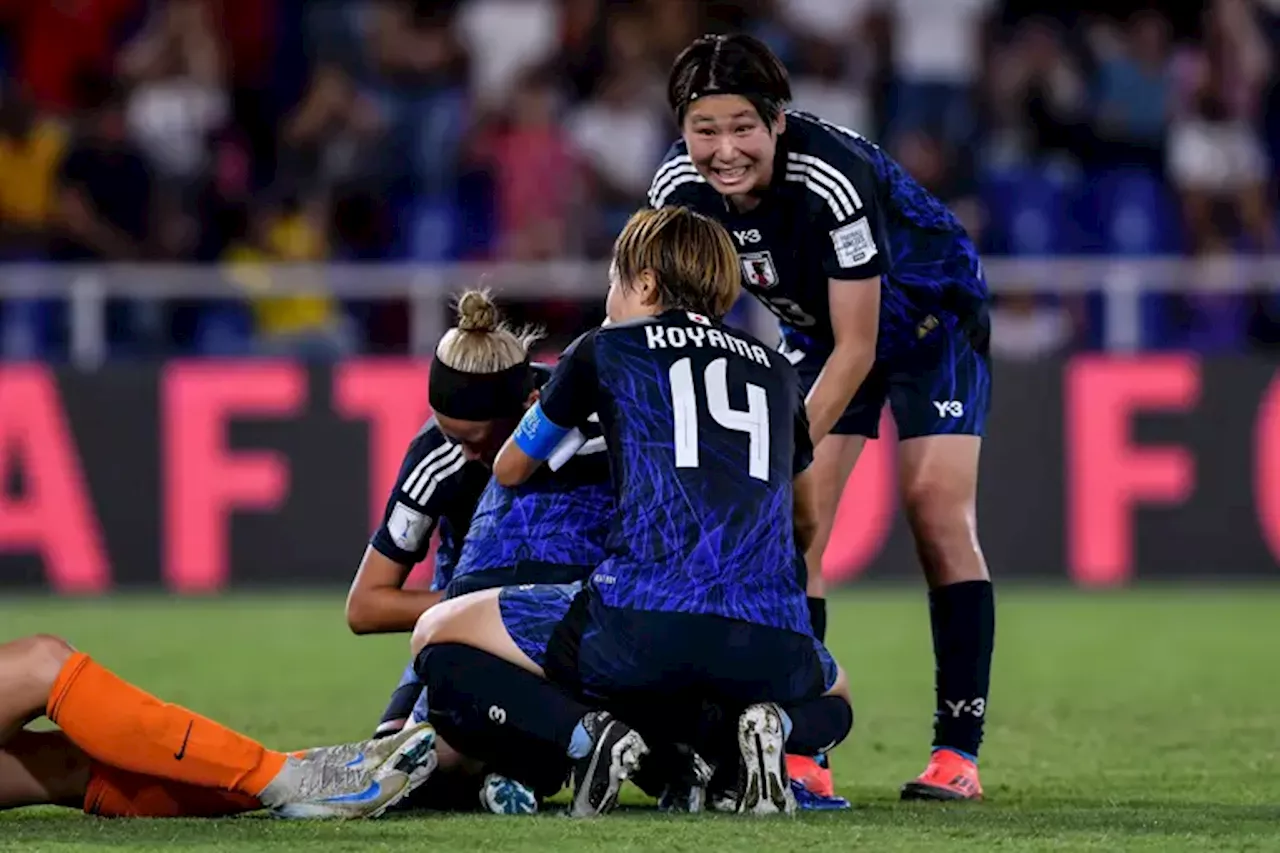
{"x":736,"y":64}
{"x":691,"y":256}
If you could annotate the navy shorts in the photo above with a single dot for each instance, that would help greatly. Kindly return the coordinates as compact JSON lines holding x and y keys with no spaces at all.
{"x":943,"y":389}
{"x":612,"y":654}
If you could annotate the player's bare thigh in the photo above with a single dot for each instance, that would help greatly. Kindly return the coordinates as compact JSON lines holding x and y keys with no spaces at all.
{"x":475,"y":620}
{"x":841,"y":686}
{"x":833,"y":461}
{"x":42,"y":768}
{"x":938,"y":477}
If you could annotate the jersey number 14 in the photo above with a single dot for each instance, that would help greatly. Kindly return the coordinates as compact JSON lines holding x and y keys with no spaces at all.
{"x":752,"y":421}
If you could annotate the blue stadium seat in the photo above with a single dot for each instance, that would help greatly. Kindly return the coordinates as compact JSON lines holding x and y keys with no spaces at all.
{"x":224,"y":331}
{"x":1028,"y":212}
{"x":431,"y":231}
{"x":1137,"y":216}
{"x":477,"y":216}
{"x":30,"y":330}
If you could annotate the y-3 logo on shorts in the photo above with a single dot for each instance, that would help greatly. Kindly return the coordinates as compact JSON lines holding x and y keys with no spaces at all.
{"x":949,"y":408}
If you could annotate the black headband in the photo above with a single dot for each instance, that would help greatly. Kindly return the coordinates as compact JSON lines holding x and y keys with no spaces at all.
{"x":479,"y":396}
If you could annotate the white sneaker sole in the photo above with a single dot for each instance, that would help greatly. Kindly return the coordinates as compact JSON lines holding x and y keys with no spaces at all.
{"x":766,"y":790}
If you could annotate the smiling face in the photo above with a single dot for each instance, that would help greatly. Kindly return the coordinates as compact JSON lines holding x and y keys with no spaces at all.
{"x":730,"y":144}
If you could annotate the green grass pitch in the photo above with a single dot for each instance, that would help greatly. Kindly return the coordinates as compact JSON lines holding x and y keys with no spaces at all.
{"x":1138,"y":720}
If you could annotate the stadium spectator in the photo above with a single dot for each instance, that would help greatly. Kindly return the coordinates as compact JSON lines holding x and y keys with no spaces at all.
{"x":419,"y":69}
{"x":31,"y":150}
{"x":105,"y":189}
{"x":937,"y":57}
{"x":59,"y":44}
{"x":175,"y":69}
{"x":1134,"y":89}
{"x":503,"y":38}
{"x":1215,"y":146}
{"x":1218,"y":163}
{"x":1036,"y":97}
{"x":332,"y":136}
{"x":621,"y":136}
{"x":536,"y":171}
{"x":1026,"y":328}
{"x":830,"y":81}
{"x":291,"y":232}
{"x":176,"y":72}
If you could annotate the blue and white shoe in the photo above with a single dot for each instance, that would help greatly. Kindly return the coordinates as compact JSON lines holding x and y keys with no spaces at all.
{"x":501,"y":795}
{"x":807,"y":801}
{"x":335,"y":785}
{"x":366,"y":753}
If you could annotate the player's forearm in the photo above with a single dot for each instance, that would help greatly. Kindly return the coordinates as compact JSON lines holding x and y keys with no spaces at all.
{"x":841,"y":377}
{"x":386,"y":610}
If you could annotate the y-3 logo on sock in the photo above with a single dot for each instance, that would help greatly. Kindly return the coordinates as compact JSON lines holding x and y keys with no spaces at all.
{"x":977,"y":707}
{"x":178,"y":756}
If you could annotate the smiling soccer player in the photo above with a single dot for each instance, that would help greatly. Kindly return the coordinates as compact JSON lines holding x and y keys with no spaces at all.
{"x":881,"y":298}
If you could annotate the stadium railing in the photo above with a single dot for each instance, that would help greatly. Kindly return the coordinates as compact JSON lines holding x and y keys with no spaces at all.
{"x":1120,"y":282}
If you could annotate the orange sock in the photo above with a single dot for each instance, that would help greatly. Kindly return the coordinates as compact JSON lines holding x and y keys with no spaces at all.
{"x":122,"y":726}
{"x":118,"y":793}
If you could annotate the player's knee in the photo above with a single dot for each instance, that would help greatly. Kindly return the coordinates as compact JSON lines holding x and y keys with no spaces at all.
{"x":426,"y":630}
{"x":42,"y":657}
{"x":940,"y":512}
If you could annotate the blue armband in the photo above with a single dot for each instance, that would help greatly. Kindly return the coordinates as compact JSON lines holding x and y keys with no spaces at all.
{"x":536,"y":435}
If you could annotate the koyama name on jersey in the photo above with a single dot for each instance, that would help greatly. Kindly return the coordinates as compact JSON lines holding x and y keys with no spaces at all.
{"x":676,"y":337}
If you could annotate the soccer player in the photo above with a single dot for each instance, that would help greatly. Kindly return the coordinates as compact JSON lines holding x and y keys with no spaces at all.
{"x":550,"y":530}
{"x":481,"y":382}
{"x":881,"y":298}
{"x":123,"y":752}
{"x":701,"y":596}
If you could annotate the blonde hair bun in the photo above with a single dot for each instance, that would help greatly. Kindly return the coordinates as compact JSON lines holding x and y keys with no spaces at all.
{"x":482,"y":342}
{"x":476,"y":312}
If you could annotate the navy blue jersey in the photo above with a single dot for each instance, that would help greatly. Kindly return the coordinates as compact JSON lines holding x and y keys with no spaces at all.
{"x":560,"y":516}
{"x":840,"y":208}
{"x":705,"y":430}
{"x":437,"y":487}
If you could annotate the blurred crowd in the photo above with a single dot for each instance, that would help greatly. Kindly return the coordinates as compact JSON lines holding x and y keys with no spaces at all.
{"x":233,"y":132}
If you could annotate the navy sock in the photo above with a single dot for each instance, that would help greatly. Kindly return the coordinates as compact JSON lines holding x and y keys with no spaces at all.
{"x":518,"y":724}
{"x":400,"y":707}
{"x":964,"y":628}
{"x":818,"y":618}
{"x":818,"y":725}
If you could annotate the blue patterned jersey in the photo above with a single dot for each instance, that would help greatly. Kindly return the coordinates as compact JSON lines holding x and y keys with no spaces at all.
{"x":839,"y":208}
{"x":437,"y":487}
{"x":705,"y":430}
{"x":561,"y":517}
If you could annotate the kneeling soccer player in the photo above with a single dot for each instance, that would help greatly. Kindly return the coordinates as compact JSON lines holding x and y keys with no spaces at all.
{"x":549,"y":530}
{"x":702,"y":596}
{"x":123,"y":752}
